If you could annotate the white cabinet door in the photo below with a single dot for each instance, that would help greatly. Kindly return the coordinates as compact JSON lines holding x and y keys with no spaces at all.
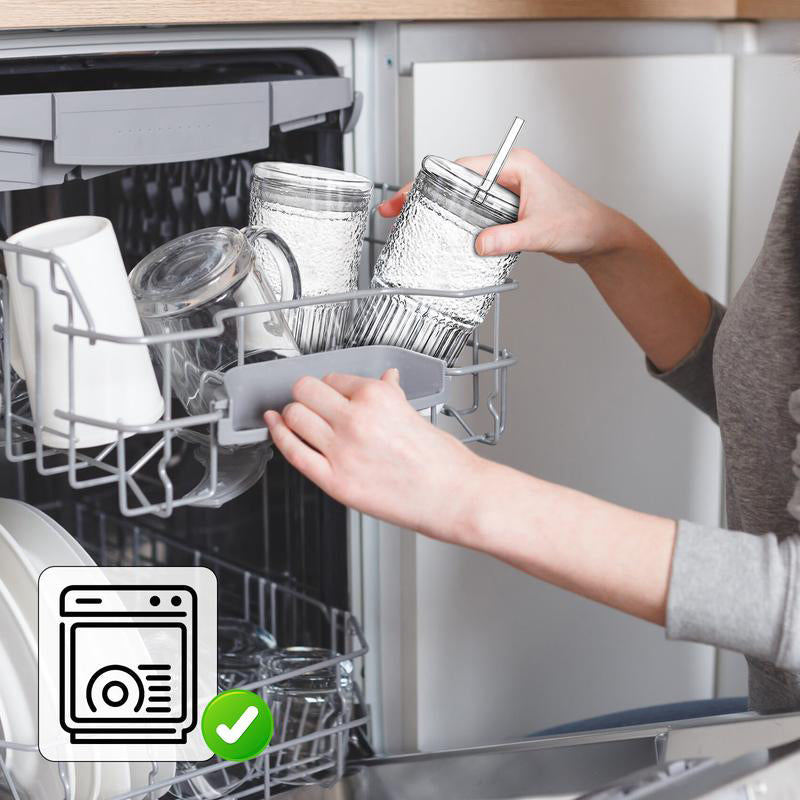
{"x":496,"y":654}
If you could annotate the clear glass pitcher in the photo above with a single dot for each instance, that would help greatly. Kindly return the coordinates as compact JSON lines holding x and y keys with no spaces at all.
{"x":321,"y":214}
{"x":432,"y":246}
{"x":182,"y":285}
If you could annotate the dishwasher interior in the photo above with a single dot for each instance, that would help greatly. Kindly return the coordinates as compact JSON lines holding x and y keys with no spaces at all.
{"x":279,"y":549}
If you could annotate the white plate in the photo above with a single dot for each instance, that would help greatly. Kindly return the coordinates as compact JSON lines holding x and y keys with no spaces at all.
{"x":116,"y":779}
{"x":140,"y":774}
{"x":72,"y":543}
{"x":32,"y":541}
{"x":47,"y":544}
{"x":20,"y":577}
{"x":33,"y":529}
{"x":88,"y":775}
{"x":37,"y":777}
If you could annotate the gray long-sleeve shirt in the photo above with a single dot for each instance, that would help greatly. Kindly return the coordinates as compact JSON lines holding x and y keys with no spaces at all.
{"x":740,"y":588}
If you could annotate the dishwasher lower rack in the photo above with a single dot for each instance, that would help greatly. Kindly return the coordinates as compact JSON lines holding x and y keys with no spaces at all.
{"x":319,"y":754}
{"x":472,"y":394}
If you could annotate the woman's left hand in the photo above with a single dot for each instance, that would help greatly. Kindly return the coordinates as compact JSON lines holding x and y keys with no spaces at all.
{"x":363,"y":444}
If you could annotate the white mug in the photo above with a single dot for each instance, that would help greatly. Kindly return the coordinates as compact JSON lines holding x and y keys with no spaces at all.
{"x":113,"y":382}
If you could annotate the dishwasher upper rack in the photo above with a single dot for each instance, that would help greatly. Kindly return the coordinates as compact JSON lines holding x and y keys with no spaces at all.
{"x":110,"y":465}
{"x":117,"y":541}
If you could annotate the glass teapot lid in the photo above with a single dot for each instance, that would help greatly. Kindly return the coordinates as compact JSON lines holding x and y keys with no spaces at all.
{"x":190,"y":271}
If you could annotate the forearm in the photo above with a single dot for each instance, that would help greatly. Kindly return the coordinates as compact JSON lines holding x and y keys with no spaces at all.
{"x":596,"y":549}
{"x":660,"y":307}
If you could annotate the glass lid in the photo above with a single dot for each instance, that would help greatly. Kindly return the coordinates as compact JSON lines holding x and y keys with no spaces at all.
{"x":189,"y":271}
{"x":312,"y":178}
{"x":466,"y":182}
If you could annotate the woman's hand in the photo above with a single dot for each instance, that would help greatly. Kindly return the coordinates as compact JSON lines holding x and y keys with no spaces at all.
{"x":365,"y":446}
{"x":659,"y":307}
{"x":554,"y":216}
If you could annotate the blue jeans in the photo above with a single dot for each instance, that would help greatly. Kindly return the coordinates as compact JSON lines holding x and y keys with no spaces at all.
{"x":652,"y":715}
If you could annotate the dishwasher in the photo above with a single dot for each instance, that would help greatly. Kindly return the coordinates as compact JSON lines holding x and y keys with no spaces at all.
{"x":161,"y":139}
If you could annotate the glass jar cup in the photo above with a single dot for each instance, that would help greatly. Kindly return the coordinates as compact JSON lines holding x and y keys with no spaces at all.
{"x":311,"y":702}
{"x":242,"y":647}
{"x":321,"y":214}
{"x":432,"y":246}
{"x":181,"y":286}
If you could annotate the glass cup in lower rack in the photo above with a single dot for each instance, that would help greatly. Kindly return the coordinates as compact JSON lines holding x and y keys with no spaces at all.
{"x":308,"y":703}
{"x":242,"y":648}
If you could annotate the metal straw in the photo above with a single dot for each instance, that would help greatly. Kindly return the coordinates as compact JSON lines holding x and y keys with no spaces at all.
{"x":499,"y":159}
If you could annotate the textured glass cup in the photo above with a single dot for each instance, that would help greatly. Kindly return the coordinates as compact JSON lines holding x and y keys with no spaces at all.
{"x":321,"y":214}
{"x":181,"y":285}
{"x":308,"y":703}
{"x":432,"y":246}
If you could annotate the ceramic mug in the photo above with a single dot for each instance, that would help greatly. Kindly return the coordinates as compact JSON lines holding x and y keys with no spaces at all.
{"x":112,"y":382}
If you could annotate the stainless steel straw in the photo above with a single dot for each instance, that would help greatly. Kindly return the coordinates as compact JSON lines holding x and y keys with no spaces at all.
{"x":499,"y":159}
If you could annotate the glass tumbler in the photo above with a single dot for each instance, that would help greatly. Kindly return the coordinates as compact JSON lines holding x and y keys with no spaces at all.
{"x":308,"y":703}
{"x":242,"y":647}
{"x":321,"y":214}
{"x":432,"y":246}
{"x":181,"y":286}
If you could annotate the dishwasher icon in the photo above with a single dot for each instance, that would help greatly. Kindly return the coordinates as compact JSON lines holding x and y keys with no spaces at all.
{"x":128,"y":663}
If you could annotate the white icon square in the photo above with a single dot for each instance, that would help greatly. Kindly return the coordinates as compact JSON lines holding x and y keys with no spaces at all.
{"x":127,"y":662}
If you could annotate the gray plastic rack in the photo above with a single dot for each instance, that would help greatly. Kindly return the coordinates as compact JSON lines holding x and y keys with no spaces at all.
{"x":252,"y":388}
{"x":48,"y":135}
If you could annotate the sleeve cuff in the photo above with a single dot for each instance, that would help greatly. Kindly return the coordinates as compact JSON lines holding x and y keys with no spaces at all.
{"x":735,"y":590}
{"x":693,"y":376}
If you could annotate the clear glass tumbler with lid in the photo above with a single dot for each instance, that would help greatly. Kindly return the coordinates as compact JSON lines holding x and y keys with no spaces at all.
{"x":321,"y":214}
{"x":432,"y":246}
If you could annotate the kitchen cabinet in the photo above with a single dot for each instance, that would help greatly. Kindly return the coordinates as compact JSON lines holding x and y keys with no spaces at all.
{"x":490,"y":653}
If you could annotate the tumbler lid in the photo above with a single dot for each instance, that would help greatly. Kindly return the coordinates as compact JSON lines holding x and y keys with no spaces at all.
{"x":189,"y":271}
{"x":465,"y":183}
{"x":312,"y":178}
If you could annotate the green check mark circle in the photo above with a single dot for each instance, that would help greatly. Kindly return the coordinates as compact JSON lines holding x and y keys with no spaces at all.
{"x":237,"y":725}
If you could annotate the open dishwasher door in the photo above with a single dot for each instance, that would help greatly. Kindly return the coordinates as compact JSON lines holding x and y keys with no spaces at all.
{"x":716,"y":757}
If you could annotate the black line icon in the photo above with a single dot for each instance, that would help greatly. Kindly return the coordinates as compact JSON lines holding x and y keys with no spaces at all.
{"x":109,"y":697}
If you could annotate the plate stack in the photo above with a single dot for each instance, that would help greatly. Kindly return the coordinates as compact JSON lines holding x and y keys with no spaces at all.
{"x":30,"y":542}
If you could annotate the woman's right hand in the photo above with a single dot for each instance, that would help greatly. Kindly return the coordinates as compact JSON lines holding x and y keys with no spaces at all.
{"x":555,"y":217}
{"x":660,"y":308}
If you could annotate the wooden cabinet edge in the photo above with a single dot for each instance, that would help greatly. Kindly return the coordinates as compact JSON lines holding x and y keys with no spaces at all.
{"x":18,"y":14}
